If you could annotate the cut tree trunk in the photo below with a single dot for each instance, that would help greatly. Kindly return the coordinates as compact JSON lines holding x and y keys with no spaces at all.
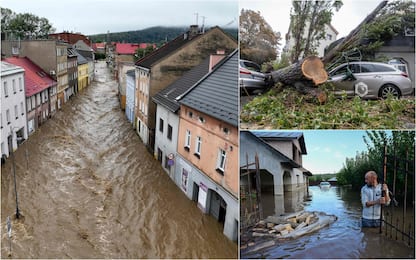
{"x":304,"y":75}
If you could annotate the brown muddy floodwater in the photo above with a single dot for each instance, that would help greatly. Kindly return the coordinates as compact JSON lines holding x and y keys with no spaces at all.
{"x":343,"y":239}
{"x":88,"y":188}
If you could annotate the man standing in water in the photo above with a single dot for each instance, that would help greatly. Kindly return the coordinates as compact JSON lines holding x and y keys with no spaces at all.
{"x":371,"y":198}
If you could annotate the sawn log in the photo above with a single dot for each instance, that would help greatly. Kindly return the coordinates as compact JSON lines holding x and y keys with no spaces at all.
{"x":304,"y":75}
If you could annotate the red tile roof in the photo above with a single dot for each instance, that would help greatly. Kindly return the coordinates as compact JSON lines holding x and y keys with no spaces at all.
{"x":130,"y":48}
{"x":36,"y":79}
{"x":100,"y":45}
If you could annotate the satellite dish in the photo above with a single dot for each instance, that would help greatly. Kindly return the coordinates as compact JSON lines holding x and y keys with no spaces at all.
{"x":361,"y":89}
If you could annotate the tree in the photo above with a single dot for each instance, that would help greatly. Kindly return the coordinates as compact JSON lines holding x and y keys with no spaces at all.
{"x":307,"y":25}
{"x":140,"y":53}
{"x":258,"y":41}
{"x":25,"y":25}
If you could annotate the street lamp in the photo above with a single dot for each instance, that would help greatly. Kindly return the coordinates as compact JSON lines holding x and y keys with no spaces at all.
{"x":14,"y":174}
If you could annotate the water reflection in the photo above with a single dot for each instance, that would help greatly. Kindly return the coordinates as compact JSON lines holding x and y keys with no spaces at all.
{"x":342,"y":239}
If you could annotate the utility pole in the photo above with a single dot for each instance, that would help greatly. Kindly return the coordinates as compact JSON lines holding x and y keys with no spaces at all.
{"x":196,"y":14}
{"x":14,"y":173}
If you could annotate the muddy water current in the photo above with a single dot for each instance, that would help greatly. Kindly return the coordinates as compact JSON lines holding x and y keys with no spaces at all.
{"x":88,"y":188}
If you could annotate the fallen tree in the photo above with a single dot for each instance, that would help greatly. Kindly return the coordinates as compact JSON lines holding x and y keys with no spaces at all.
{"x":305,"y":76}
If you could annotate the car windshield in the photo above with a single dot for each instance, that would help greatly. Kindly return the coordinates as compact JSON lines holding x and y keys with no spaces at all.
{"x":250,"y":66}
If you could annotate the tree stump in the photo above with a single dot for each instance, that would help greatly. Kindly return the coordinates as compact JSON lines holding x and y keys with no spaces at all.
{"x":304,"y":75}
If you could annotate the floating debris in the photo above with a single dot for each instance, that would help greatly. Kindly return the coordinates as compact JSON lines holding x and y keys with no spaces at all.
{"x":285,"y":227}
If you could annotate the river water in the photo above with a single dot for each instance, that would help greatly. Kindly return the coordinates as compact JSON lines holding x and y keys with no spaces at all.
{"x":88,"y":188}
{"x":342,"y":239}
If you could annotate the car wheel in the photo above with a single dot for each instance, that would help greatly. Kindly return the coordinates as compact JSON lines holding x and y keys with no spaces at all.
{"x":389,"y":90}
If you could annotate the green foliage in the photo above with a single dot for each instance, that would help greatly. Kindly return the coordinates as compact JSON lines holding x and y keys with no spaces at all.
{"x":100,"y":56}
{"x":25,"y":26}
{"x":158,"y":35}
{"x":307,"y":25}
{"x":140,"y":53}
{"x":258,"y":41}
{"x":400,"y":144}
{"x":287,"y":109}
{"x":321,"y":177}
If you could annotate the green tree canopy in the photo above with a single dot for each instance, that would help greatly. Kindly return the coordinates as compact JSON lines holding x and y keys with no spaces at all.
{"x":307,"y":25}
{"x":258,"y":41}
{"x":24,"y":26}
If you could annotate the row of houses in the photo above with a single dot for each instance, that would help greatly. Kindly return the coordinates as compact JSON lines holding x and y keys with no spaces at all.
{"x":182,"y":99}
{"x":38,"y":77}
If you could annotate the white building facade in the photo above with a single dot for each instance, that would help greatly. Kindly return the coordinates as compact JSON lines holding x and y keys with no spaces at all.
{"x":13,"y":108}
{"x":130,"y":95}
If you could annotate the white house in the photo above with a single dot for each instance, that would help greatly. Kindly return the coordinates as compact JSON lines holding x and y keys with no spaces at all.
{"x":330,"y":36}
{"x":130,"y":95}
{"x":13,"y":107}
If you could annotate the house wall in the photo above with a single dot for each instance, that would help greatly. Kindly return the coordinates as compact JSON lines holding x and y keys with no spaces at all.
{"x":213,"y":139}
{"x":15,"y":121}
{"x":121,"y":79}
{"x":174,"y":65}
{"x":193,"y":181}
{"x":130,"y":98}
{"x":408,"y":54}
{"x":73,"y":75}
{"x":290,"y":148}
{"x":91,"y":67}
{"x":142,"y":98}
{"x":82,"y":76}
{"x":47,"y":54}
{"x":167,"y":146}
{"x":268,"y":160}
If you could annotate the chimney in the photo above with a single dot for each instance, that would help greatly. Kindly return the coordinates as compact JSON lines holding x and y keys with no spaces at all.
{"x":193,"y":31}
{"x":214,"y":59}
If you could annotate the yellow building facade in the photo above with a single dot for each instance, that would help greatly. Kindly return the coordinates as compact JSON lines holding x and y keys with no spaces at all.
{"x":82,"y":76}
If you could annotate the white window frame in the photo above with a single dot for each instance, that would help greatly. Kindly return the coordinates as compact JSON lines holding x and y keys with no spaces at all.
{"x":188,"y":140}
{"x":6,"y":91}
{"x":221,"y":160}
{"x":198,"y":145}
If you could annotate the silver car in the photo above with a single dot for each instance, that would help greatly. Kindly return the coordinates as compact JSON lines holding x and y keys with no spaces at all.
{"x":370,"y":80}
{"x":251,"y":78}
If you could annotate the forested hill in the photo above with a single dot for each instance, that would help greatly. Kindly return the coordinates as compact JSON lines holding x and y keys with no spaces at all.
{"x":150,"y":35}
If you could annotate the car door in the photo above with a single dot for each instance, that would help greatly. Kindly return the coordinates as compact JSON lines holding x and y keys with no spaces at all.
{"x":372,"y":76}
{"x":343,"y":82}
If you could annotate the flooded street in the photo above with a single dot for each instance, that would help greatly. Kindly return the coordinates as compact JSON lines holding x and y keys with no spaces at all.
{"x":342,"y":239}
{"x":88,"y":188}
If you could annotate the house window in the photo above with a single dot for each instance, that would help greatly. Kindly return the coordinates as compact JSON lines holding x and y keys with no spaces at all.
{"x":161,"y":125}
{"x":190,"y":114}
{"x":329,"y":37}
{"x":6,"y":91}
{"x":201,"y":119}
{"x":20,"y":84}
{"x":8,"y":116}
{"x":1,"y":121}
{"x":188,"y":140}
{"x":198,"y":143}
{"x":170,"y":130}
{"x":29,"y":108}
{"x":16,"y":112}
{"x":22,"y":107}
{"x":159,"y":155}
{"x":221,"y":161}
{"x":14,"y":86}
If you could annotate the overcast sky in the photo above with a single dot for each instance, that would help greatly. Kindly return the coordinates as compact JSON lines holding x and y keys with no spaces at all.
{"x":98,"y":16}
{"x":277,"y":14}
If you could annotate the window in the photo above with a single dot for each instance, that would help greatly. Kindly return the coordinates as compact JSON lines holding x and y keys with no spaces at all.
{"x":170,"y":130}
{"x":188,"y":140}
{"x":20,"y":84}
{"x":22,"y":107}
{"x":29,"y":108}
{"x":16,"y":112}
{"x":14,"y":86}
{"x":198,"y":143}
{"x":221,"y":161}
{"x":1,"y":121}
{"x":159,"y":155}
{"x":329,"y":37}
{"x":161,"y":125}
{"x":8,"y":116}
{"x":6,"y":91}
